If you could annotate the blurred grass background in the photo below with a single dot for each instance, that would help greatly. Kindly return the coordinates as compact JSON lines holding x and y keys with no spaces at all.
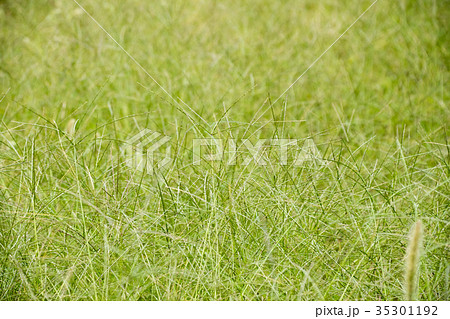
{"x":77,"y":223}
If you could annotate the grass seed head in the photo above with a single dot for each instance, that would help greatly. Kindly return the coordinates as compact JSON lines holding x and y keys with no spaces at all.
{"x":412,"y":260}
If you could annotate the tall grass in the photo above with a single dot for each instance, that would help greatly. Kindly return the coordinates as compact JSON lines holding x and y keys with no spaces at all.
{"x":78,"y":223}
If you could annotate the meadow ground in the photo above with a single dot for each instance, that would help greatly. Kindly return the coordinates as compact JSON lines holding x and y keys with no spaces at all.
{"x":78,"y":222}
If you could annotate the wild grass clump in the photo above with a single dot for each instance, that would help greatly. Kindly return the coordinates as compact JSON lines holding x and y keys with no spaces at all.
{"x":79,"y":222}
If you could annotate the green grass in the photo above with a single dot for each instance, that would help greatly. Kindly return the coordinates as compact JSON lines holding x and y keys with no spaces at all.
{"x":76,"y":223}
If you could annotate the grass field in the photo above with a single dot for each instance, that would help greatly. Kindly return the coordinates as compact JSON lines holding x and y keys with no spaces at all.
{"x":77,"y":222}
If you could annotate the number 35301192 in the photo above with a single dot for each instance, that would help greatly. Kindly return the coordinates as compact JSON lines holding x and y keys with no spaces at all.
{"x":406,"y":310}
